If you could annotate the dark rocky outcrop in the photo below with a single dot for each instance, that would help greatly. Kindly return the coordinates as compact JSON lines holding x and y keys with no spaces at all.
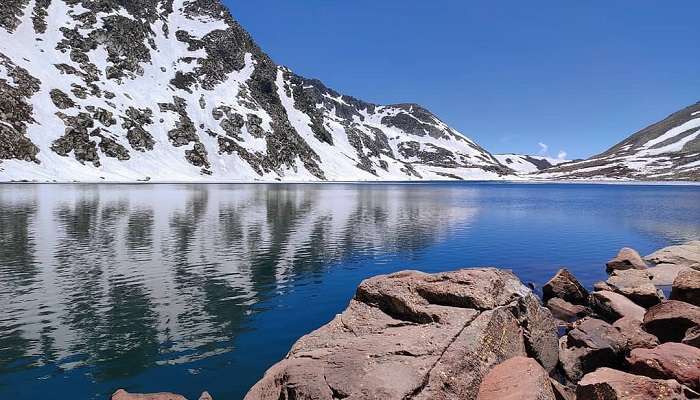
{"x":670,"y":320}
{"x":419,"y":336}
{"x":565,"y":286}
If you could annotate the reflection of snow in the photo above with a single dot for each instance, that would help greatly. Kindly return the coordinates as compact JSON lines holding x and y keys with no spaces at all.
{"x":182,"y":264}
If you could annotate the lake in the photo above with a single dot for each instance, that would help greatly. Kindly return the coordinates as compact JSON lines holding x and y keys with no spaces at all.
{"x":189,"y":287}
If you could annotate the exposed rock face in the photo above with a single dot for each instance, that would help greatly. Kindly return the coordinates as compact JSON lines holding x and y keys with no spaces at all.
{"x":631,"y":330}
{"x":685,"y":255}
{"x":211,"y":104}
{"x":565,"y":286}
{"x":668,"y":361}
{"x":626,"y":259}
{"x":670,"y":320}
{"x":518,"y":378}
{"x":614,"y":306}
{"x":636,"y":285}
{"x":419,"y":336}
{"x":610,"y":384}
{"x":692,"y":337}
{"x":666,"y":150}
{"x":590,"y":345}
{"x":566,"y":311}
{"x":686,"y":287}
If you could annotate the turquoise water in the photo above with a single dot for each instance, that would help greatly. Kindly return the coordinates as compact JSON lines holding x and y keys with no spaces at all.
{"x":188,"y":288}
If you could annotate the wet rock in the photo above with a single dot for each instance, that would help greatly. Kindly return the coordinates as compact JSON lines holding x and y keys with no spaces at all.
{"x":686,"y":287}
{"x":565,"y":286}
{"x":518,"y":378}
{"x":627,"y":258}
{"x":590,"y":345}
{"x":610,"y":384}
{"x":410,"y":334}
{"x":635,"y":285}
{"x":631,"y":330}
{"x":614,"y":306}
{"x":668,"y":361}
{"x":670,"y":320}
{"x":566,"y":311}
{"x":686,"y":255}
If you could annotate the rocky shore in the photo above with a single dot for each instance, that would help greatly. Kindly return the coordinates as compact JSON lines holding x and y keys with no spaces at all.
{"x":482,"y":334}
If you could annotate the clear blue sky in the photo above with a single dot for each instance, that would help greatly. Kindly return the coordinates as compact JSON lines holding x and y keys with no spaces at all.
{"x":576,"y":75}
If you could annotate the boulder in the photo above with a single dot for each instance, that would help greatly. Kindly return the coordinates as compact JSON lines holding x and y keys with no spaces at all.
{"x":562,"y":392}
{"x":686,"y":255}
{"x":665,"y":274}
{"x":565,"y":286}
{"x":416,"y":335}
{"x":670,"y":320}
{"x":590,"y":345}
{"x":614,"y":306}
{"x":668,"y":361}
{"x":610,"y":384}
{"x":686,"y":287}
{"x":636,"y":285}
{"x":626,"y":259}
{"x":122,"y":394}
{"x":692,"y":337}
{"x":631,"y":330}
{"x":600,"y":285}
{"x":518,"y":378}
{"x":565,"y":311}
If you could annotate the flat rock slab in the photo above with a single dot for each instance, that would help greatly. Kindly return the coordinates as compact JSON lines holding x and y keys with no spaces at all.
{"x":518,"y":378}
{"x":122,"y":394}
{"x":668,"y":361}
{"x":636,"y":285}
{"x":686,"y":255}
{"x":671,"y":320}
{"x":614,"y":306}
{"x":610,"y":384}
{"x":419,"y":336}
{"x":665,"y":274}
{"x":686,"y":287}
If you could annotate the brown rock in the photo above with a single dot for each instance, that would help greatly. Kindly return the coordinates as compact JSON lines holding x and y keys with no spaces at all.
{"x":686,"y":255}
{"x":636,"y":337}
{"x":590,"y":345}
{"x":414,"y":335}
{"x":670,"y":320}
{"x":626,"y":259}
{"x":122,"y":394}
{"x":565,"y":286}
{"x":610,"y":384}
{"x":665,"y":274}
{"x":614,"y":306}
{"x":598,"y":286}
{"x":562,"y":392}
{"x":518,"y":378}
{"x":686,"y":287}
{"x":668,"y":361}
{"x":205,"y":396}
{"x":566,"y":311}
{"x":636,"y":285}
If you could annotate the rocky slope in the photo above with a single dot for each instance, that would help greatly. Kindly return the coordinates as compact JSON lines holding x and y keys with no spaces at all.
{"x":524,"y":164}
{"x":176,"y":90}
{"x":667,"y":150}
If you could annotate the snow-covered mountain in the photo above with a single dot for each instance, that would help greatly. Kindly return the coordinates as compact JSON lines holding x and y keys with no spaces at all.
{"x":667,"y":150}
{"x":524,"y":164}
{"x":176,"y":90}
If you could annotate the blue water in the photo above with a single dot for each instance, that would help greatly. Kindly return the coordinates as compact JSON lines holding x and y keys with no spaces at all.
{"x":188,"y":288}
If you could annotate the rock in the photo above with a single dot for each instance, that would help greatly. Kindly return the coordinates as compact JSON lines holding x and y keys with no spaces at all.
{"x":636,"y":337}
{"x":670,"y":320}
{"x":668,"y":361}
{"x":205,"y":396}
{"x":665,"y":274}
{"x":626,"y":259}
{"x":565,"y":286}
{"x":610,"y":384}
{"x":686,"y":255}
{"x":518,"y":378}
{"x":692,"y":337}
{"x":562,"y":392}
{"x":636,"y":285}
{"x":590,"y":345}
{"x":686,"y":287}
{"x":614,"y":306}
{"x":415,"y":335}
{"x":598,"y":286}
{"x":122,"y":394}
{"x":566,"y":311}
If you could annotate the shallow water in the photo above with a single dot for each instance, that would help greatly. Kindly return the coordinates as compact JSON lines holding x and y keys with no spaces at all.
{"x":192,"y":287}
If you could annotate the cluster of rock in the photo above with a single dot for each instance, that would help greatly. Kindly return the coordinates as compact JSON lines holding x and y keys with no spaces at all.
{"x":481,"y":334}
